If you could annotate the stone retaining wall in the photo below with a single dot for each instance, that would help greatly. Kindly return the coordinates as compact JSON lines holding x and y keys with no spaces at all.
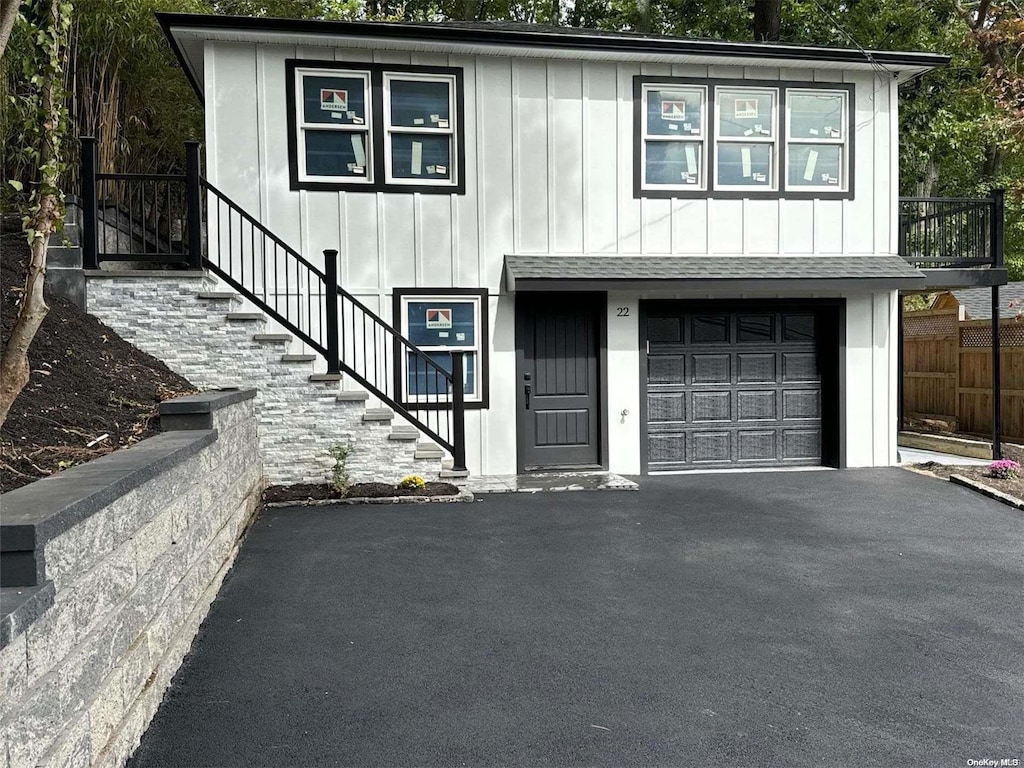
{"x":129,"y":552}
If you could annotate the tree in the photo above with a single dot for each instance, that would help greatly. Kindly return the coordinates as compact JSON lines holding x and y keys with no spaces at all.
{"x":45,"y":23}
{"x":8,"y":15}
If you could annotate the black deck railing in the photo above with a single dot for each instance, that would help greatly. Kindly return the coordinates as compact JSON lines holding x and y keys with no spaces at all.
{"x":302,"y":297}
{"x":952,"y":232}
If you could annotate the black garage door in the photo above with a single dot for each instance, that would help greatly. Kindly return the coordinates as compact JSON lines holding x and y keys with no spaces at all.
{"x":730,"y":386}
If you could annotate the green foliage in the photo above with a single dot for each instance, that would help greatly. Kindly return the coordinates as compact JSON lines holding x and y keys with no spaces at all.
{"x":35,"y":116}
{"x":340,"y":479}
{"x":412,"y":482}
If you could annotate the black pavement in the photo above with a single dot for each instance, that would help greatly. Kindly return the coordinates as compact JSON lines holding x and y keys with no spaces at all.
{"x":858,"y":618}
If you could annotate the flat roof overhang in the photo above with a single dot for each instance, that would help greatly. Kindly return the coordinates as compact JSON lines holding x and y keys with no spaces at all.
{"x":188,"y":33}
{"x":949,"y":278}
{"x":726,"y":274}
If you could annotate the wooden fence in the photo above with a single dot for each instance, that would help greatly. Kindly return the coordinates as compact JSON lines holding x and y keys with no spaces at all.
{"x":947,"y":371}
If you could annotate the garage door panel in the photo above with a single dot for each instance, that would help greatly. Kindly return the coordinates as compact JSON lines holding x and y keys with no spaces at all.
{"x":799,"y":366}
{"x":666,"y":369}
{"x":665,"y":407}
{"x":801,"y":404}
{"x":755,"y":366}
{"x":756,"y":445}
{"x":712,"y":406}
{"x":711,"y":447}
{"x":801,"y":444}
{"x":733,"y":388}
{"x":757,"y":405}
{"x":712,"y":368}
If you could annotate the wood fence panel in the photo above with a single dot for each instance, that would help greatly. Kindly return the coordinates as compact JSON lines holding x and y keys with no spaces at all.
{"x":947,"y":371}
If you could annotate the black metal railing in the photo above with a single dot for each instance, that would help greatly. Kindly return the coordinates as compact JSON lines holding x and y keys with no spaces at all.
{"x":952,"y":232}
{"x":140,"y":217}
{"x":160,"y":218}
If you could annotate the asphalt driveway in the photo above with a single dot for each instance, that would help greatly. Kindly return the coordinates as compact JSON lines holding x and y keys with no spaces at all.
{"x":859,"y":618}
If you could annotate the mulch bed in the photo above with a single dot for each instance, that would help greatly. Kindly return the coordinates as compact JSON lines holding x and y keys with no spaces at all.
{"x":978,"y":473}
{"x":86,"y":382}
{"x":325,"y":491}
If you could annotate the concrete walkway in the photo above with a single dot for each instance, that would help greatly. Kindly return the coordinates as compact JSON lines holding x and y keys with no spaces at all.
{"x":856,"y":618}
{"x":920,"y":456}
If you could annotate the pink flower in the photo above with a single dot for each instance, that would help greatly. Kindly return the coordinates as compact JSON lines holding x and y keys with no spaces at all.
{"x":1004,"y":469}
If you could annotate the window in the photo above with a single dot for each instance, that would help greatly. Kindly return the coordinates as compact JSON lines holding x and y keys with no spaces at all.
{"x":420,"y":128}
{"x":746,"y":147}
{"x":674,"y":147}
{"x":375,"y":127}
{"x":742,"y":138}
{"x":335,"y":125}
{"x":440,"y":322}
{"x":816,"y":133}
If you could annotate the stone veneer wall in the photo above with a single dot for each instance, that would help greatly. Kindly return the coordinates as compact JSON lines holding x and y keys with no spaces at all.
{"x":128,"y":570}
{"x":162,"y":313}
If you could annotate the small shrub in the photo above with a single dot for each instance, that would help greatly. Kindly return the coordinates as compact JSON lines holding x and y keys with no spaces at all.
{"x":412,"y":482}
{"x":339,"y":475}
{"x":1004,"y":469}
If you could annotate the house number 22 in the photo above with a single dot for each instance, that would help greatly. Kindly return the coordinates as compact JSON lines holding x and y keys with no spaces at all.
{"x":622,"y":311}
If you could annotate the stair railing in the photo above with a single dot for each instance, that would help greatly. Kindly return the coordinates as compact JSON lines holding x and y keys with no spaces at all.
{"x":304,"y":299}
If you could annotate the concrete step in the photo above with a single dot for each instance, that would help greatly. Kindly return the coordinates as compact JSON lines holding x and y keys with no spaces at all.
{"x":428,"y":451}
{"x":451,"y":474}
{"x":404,"y":433}
{"x":352,"y":396}
{"x":218,"y":296}
{"x":245,"y":317}
{"x":378,"y":414}
{"x":272,"y":338}
{"x":298,"y":358}
{"x":325,"y":378}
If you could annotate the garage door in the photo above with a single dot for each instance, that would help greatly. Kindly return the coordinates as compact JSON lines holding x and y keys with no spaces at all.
{"x":728,"y":387}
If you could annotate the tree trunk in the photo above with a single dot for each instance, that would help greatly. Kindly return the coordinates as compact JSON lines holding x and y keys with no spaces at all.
{"x":14,"y":367}
{"x":643,"y":15}
{"x":556,"y":12}
{"x":8,"y":13}
{"x":767,"y":20}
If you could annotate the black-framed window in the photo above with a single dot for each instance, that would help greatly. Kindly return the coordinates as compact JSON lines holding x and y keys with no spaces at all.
{"x":375,"y":127}
{"x":742,"y":138}
{"x":440,"y":321}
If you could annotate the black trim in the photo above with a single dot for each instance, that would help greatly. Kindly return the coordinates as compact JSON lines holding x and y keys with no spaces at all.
{"x":710,"y":140}
{"x":376,"y":128}
{"x":831,"y":345}
{"x":483,"y":339}
{"x":482,"y":34}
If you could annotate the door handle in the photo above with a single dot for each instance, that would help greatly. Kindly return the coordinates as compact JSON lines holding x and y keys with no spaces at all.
{"x":527,"y":389}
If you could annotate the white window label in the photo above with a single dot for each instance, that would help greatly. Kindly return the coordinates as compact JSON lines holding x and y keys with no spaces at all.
{"x":417,"y":158}
{"x":673,"y":110}
{"x":745,"y":161}
{"x":745,"y":109}
{"x":812,"y":161}
{"x":439,"y":318}
{"x":358,"y":150}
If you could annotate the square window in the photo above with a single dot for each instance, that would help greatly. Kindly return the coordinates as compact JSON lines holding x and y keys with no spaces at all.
{"x":421,"y":156}
{"x":798,"y":328}
{"x":755,"y":328}
{"x":707,"y":329}
{"x":814,"y":165}
{"x":438,"y":324}
{"x":816,"y":114}
{"x":674,"y":162}
{"x":676,"y":113}
{"x":420,"y":103}
{"x":335,"y":153}
{"x":746,"y":113}
{"x":336,"y":100}
{"x":745,"y":165}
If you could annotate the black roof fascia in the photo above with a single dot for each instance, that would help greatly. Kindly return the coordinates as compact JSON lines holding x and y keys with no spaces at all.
{"x":503,"y":36}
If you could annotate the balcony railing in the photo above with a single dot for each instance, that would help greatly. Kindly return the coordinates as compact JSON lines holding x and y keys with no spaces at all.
{"x":952,"y":232}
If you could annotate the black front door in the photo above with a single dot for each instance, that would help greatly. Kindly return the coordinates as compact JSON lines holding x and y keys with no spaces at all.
{"x":559,"y":408}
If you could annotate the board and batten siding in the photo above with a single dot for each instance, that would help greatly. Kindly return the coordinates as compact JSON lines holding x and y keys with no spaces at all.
{"x":549,"y":156}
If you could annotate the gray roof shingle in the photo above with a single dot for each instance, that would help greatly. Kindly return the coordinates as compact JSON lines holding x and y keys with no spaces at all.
{"x":977,"y":302}
{"x":654,"y":268}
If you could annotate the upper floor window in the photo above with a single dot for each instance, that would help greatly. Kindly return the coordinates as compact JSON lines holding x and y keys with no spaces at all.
{"x":370,"y":127}
{"x":739,"y":138}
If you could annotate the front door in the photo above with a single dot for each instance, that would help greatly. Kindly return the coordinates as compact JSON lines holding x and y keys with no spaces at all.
{"x":559,"y":404}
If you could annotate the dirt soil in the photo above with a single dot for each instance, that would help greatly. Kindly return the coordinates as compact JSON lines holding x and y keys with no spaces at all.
{"x":86,"y":382}
{"x":323,"y":491}
{"x":978,"y":473}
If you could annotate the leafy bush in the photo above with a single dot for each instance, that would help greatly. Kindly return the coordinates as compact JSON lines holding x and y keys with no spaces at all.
{"x":339,"y":475}
{"x":1004,"y":469}
{"x":412,"y":482}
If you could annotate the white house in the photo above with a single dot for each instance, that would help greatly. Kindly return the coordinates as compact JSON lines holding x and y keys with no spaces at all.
{"x":657,"y":253}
